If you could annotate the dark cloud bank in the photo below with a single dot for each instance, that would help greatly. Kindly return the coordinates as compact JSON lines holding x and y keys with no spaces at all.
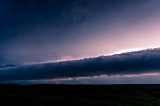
{"x":146,"y":61}
{"x":42,"y":30}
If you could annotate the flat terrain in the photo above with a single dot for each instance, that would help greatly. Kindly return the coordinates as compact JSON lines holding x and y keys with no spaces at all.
{"x":79,"y":95}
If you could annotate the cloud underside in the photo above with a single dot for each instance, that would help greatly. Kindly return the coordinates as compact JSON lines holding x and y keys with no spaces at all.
{"x":146,"y":61}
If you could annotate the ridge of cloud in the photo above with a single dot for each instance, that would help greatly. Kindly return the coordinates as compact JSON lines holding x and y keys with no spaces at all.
{"x":119,"y":64}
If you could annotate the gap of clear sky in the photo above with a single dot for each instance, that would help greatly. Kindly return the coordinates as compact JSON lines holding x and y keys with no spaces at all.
{"x":33,"y":31}
{"x":44,"y":31}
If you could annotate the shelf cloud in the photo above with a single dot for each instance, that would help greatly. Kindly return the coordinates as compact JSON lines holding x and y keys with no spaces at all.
{"x":138,"y":62}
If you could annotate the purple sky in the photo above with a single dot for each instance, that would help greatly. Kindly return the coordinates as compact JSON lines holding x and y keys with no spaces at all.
{"x":40,"y":31}
{"x":33,"y":31}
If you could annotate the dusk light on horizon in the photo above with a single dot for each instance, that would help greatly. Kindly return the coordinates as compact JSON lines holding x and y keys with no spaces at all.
{"x":80,"y":41}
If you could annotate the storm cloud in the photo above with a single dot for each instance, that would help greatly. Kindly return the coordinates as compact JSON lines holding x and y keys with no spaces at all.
{"x":50,"y":39}
{"x":139,"y":62}
{"x":33,"y":31}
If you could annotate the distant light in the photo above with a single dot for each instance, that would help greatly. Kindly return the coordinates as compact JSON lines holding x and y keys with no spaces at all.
{"x":129,"y":50}
{"x":57,"y":83}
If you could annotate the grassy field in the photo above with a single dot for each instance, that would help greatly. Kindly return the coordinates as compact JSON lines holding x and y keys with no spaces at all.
{"x":79,"y":95}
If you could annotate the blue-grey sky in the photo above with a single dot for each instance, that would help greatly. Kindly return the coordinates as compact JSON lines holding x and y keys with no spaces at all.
{"x":131,"y":65}
{"x":34,"y":31}
{"x":40,"y":31}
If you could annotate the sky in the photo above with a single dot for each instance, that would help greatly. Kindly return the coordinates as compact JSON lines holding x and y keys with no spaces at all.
{"x":46,"y":31}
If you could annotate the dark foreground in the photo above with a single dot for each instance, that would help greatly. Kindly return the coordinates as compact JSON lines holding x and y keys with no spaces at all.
{"x":79,"y":95}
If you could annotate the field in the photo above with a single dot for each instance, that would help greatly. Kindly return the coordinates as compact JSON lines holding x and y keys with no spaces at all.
{"x":79,"y":95}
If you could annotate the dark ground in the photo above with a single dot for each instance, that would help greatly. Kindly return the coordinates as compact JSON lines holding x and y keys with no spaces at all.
{"x":79,"y":95}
